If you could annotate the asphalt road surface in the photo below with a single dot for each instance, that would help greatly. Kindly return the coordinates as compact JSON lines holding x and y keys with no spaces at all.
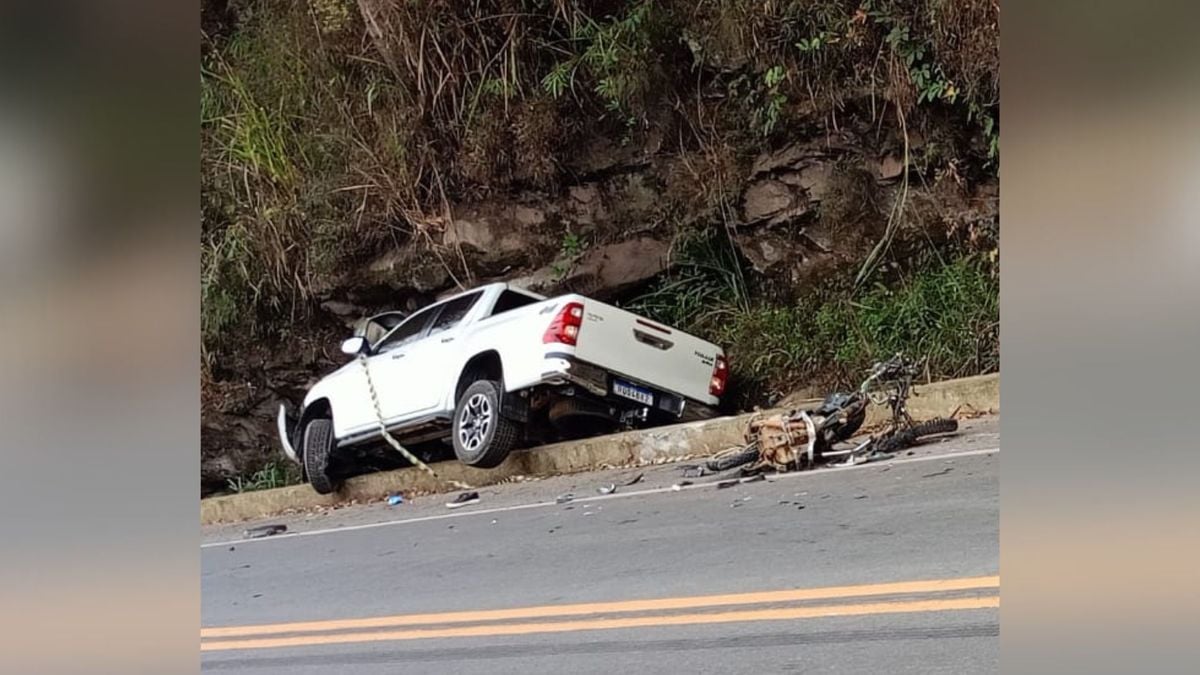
{"x":884,"y":567}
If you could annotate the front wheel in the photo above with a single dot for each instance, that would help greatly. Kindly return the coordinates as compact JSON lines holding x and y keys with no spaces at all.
{"x":909,"y":437}
{"x":482,"y":436}
{"x":318,"y":446}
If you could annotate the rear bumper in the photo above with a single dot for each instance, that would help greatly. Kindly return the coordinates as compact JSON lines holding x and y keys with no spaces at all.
{"x":563,"y":369}
{"x":281,"y":423}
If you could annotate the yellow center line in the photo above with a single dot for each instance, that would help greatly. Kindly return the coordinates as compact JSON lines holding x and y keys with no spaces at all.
{"x":810,"y":612}
{"x":658,"y":604}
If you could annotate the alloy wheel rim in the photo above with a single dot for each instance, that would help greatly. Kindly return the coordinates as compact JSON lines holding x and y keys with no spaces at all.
{"x":474,"y":422}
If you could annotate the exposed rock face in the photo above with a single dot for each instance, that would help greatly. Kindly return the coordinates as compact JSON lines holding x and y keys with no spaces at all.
{"x":499,"y":233}
{"x":787,"y":184}
{"x":607,"y":271}
{"x":772,"y":201}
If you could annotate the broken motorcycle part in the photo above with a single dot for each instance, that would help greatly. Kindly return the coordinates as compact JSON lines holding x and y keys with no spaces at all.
{"x":265,"y":531}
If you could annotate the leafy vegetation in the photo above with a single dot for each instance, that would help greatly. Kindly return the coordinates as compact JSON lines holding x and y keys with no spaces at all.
{"x":943,"y":310}
{"x":273,"y":475}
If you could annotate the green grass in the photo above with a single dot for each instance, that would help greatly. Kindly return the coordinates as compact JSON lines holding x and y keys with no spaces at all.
{"x":946,"y":312}
{"x":707,"y":285}
{"x":273,"y":475}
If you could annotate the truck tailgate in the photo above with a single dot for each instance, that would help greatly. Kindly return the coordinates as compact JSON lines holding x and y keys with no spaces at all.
{"x":627,"y":344}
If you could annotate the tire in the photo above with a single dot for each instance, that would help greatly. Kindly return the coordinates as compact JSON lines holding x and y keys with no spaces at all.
{"x":938,"y":425}
{"x":573,"y":418}
{"x":726,"y":460}
{"x":909,"y":437}
{"x":482,"y":436}
{"x":565,"y":409}
{"x":694,"y":412}
{"x":318,"y":445}
{"x":896,"y":442}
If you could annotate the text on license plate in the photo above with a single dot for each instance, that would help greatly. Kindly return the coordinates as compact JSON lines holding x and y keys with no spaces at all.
{"x":633,"y":393}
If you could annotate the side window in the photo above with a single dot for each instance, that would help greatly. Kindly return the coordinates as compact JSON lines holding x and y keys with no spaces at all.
{"x":378,"y":326}
{"x":453,"y":312}
{"x":406,"y":332}
{"x":510,"y":300}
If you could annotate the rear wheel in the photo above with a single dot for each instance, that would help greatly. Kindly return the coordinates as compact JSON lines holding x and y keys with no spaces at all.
{"x":482,"y":436}
{"x":694,"y":412}
{"x":318,"y":446}
{"x":733,"y":457}
{"x":575,"y":418}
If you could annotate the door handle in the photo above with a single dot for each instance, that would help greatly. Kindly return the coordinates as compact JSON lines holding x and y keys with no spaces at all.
{"x":399,"y":355}
{"x":447,"y":339}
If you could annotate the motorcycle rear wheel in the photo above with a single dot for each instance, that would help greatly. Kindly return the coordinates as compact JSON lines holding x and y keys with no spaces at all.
{"x":733,"y":457}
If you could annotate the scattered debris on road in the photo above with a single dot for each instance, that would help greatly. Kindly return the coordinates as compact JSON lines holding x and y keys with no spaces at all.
{"x":264,"y":531}
{"x":692,"y":471}
{"x":943,"y":472}
{"x":635,"y":480}
{"x":463,"y":499}
{"x":801,"y":439}
{"x":564,"y":498}
{"x":607,"y":489}
{"x":395,"y":499}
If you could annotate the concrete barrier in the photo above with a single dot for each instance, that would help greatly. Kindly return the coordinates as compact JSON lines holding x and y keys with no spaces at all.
{"x":645,"y":446}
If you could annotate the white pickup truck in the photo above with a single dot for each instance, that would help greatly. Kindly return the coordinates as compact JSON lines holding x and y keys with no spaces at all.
{"x":496,"y":368}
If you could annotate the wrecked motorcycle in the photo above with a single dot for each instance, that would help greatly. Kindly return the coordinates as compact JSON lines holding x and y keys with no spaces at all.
{"x":804,"y":438}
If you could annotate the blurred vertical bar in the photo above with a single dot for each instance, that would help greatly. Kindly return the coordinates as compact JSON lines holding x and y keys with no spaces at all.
{"x":99,"y":336}
{"x":1100,"y":306}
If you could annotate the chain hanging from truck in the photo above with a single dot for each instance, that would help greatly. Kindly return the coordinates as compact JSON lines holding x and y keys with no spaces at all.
{"x":391,"y":440}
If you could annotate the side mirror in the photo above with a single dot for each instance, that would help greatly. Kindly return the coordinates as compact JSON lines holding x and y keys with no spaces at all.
{"x":353,"y":346}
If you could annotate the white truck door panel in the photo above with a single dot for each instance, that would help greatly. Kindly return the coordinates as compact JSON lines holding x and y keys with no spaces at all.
{"x":394,"y":374}
{"x":424,"y":375}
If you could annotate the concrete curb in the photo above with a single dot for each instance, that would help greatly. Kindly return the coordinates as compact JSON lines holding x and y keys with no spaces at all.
{"x":981,"y":393}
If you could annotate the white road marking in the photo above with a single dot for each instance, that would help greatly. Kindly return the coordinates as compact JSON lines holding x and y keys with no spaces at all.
{"x":579,"y":500}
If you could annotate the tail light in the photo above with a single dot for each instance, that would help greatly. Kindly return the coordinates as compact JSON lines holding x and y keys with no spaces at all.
{"x":720,"y":375}
{"x":565,"y":326}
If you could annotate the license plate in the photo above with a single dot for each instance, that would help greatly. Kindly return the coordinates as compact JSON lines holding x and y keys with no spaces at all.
{"x":633,"y":393}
